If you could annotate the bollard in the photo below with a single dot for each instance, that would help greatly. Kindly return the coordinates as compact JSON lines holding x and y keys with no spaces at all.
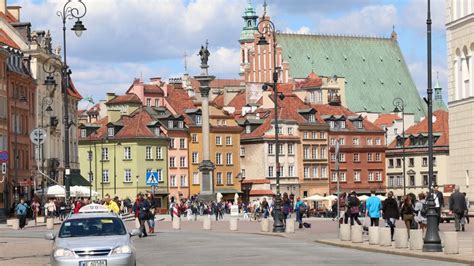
{"x":374,"y":235}
{"x":206,"y":224}
{"x":385,"y":237}
{"x":10,"y":222}
{"x":233,"y":224}
{"x":401,"y":238}
{"x":177,"y":223}
{"x":50,"y":223}
{"x":265,"y":225}
{"x":15,"y":224}
{"x":290,"y":226}
{"x":451,"y":245}
{"x":356,"y":234}
{"x":416,"y":239}
{"x":345,"y":232}
{"x":137,"y":223}
{"x":41,"y":219}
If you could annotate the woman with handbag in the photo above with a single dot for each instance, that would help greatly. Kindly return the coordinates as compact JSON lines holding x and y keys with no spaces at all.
{"x":353,"y":204}
{"x":408,"y":213}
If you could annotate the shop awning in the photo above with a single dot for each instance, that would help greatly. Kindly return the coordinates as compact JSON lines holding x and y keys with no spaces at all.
{"x":77,"y":179}
{"x":261,"y":192}
{"x":228,"y":191}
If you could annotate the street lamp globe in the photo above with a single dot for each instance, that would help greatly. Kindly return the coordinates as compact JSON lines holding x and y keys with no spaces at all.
{"x":78,"y":28}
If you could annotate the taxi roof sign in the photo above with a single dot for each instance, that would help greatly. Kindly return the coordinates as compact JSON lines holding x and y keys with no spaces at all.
{"x":92,"y":208}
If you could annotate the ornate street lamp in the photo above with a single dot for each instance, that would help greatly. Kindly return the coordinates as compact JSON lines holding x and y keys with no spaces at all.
{"x":269,"y":27}
{"x":399,"y":105}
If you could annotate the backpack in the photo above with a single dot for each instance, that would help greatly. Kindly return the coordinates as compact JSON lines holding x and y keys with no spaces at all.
{"x":423,"y":211}
{"x":21,"y":209}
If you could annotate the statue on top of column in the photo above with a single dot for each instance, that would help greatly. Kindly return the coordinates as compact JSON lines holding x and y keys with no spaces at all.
{"x":204,"y":54}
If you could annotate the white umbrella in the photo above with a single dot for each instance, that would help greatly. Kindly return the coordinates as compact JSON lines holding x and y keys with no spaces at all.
{"x":363,"y":198}
{"x":81,"y":191}
{"x":382,"y":198}
{"x":315,"y":198}
{"x":330,"y":198}
{"x":55,"y":191}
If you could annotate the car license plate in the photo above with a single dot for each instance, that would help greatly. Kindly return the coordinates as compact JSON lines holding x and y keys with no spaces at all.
{"x":93,"y":263}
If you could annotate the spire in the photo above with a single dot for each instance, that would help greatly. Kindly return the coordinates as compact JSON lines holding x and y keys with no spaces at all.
{"x":394,"y":35}
{"x":438,"y":103}
{"x":264,"y":8}
{"x":250,"y":24}
{"x":185,"y":63}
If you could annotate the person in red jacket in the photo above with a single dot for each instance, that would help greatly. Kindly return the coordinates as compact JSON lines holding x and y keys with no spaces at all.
{"x":77,"y":206}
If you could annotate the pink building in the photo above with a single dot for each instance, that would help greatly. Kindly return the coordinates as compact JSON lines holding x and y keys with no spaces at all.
{"x":151,"y":94}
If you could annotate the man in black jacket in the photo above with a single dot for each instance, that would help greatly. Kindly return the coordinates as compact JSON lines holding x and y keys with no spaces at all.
{"x":439,"y":201}
{"x":457,"y":205}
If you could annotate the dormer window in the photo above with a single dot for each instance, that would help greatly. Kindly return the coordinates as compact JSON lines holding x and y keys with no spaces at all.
{"x":110,"y":131}
{"x":198,"y":120}
{"x":180,"y":124}
{"x":312,"y":118}
{"x":331,"y":124}
{"x":170,"y":123}
{"x":342,"y":124}
{"x":157,"y":131}
{"x":83,"y":133}
{"x":248,"y":129}
{"x":358,"y":124}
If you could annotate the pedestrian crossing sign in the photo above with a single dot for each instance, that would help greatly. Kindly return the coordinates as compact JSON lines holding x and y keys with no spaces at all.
{"x":152,"y":178}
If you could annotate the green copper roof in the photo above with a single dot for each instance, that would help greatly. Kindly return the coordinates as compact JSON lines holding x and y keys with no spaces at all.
{"x":438,"y":103}
{"x":374,"y":69}
{"x":250,"y":26}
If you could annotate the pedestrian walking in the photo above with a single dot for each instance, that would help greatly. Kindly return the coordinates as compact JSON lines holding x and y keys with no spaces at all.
{"x":343,"y":210}
{"x":111,"y":205}
{"x":390,"y":212}
{"x":300,"y":209}
{"x":265,"y":207}
{"x":286,"y":207}
{"x":143,"y":208}
{"x":151,"y":216}
{"x":420,"y":211}
{"x":172,"y":203}
{"x":21,"y":210}
{"x":373,"y":207}
{"x":457,"y":206}
{"x":407,"y":210}
{"x":35,"y":207}
{"x":353,"y":204}
{"x":50,"y":209}
{"x":439,"y":201}
{"x":468,"y":205}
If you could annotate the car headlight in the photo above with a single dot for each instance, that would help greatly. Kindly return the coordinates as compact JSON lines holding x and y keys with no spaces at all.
{"x":63,"y":252}
{"x":122,"y":250}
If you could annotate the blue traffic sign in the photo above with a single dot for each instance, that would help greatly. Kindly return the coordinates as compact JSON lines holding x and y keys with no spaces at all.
{"x":3,"y":156}
{"x":152,"y":178}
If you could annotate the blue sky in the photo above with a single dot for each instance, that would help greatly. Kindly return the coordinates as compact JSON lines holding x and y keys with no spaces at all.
{"x":147,"y":38}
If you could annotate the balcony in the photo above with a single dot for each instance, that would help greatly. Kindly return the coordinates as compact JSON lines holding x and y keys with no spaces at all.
{"x":334,"y":99}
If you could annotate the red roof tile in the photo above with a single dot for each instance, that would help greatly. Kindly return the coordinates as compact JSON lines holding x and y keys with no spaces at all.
{"x":326,"y":109}
{"x":238,"y":101}
{"x":386,"y":119}
{"x":312,"y":81}
{"x":136,"y":125}
{"x":218,"y":101}
{"x":5,"y":39}
{"x":218,"y":83}
{"x":179,"y":101}
{"x":127,"y":98}
{"x":72,"y":90}
{"x":152,"y":89}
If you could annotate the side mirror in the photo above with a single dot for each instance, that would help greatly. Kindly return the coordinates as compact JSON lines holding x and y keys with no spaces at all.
{"x":135,"y":232}
{"x":50,"y":236}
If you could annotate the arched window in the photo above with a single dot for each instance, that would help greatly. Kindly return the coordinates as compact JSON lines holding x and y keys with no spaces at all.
{"x":466,"y":57}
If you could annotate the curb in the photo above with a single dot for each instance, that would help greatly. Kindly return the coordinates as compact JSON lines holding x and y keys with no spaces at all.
{"x":398,"y":252}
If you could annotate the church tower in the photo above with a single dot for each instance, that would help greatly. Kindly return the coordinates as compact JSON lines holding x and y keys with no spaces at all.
{"x":247,"y":36}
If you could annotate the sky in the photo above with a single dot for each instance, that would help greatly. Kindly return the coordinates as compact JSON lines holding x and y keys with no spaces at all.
{"x":127,"y":39}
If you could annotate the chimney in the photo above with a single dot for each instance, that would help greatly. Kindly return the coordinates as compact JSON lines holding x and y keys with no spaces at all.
{"x":3,"y":6}
{"x":155,"y":81}
{"x":15,"y":11}
{"x":110,"y":95}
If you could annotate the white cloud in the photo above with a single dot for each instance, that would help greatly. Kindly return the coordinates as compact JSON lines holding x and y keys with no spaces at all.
{"x":416,"y":11}
{"x":302,"y":30}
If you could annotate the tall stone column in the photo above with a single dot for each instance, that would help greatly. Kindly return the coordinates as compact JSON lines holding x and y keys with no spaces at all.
{"x":206,"y":166}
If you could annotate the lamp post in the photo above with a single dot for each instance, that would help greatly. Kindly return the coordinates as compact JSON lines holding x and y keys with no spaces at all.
{"x":45,"y":101}
{"x":16,"y":118}
{"x":399,"y":105}
{"x":278,"y":225}
{"x":115,"y":167}
{"x":136,"y":179}
{"x":69,"y":12}
{"x":432,"y":241}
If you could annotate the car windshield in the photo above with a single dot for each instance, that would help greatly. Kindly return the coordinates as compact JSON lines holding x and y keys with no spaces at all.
{"x":92,"y":227}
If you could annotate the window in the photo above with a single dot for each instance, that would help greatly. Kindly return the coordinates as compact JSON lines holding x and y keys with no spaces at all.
{"x":172,"y":181}
{"x":390,"y":163}
{"x":229,"y":159}
{"x":324,"y":173}
{"x":127,"y":153}
{"x":314,"y":152}
{"x":312,"y":118}
{"x":358,"y":124}
{"x":219,"y":178}
{"x":355,"y":141}
{"x":425,"y":162}
{"x":110,"y":132}
{"x":198,"y":120}
{"x":290,"y":131}
{"x":356,"y":157}
{"x":230,"y":179}
{"x":334,"y":177}
{"x":434,"y":161}
{"x":378,"y":176}
{"x":281,"y":170}
{"x":83,"y":133}
{"x":412,"y":180}
{"x":291,"y":149}
{"x":160,"y":175}
{"x":270,"y":171}
{"x":399,"y":181}
{"x":391,"y":181}
{"x":159,"y":153}
{"x":341,"y":141}
{"x":378,"y":156}
{"x":180,"y":124}
{"x":322,"y":152}
{"x":281,"y":149}
{"x":194,"y":138}
{"x":228,"y":140}
{"x":182,"y":144}
{"x":105,"y":176}
{"x":242,"y":172}
{"x":322,"y":135}
{"x":148,"y":155}
{"x":157,"y":131}
{"x":305,"y":135}
{"x":314,"y":135}
{"x":306,"y":152}
{"x":333,"y":157}
{"x":172,"y":162}
{"x":156,"y":102}
{"x":183,"y":181}
{"x":425,"y":180}
{"x":248,"y":129}
{"x":218,"y":140}
{"x":291,"y":171}
{"x":170,"y":123}
{"x":182,"y":161}
{"x":411,"y":162}
{"x":342,"y":176}
{"x":105,"y":154}
{"x":219,"y":158}
{"x":306,"y":172}
{"x":331,"y":124}
{"x":369,"y":141}
{"x":342,"y":157}
{"x":148,"y":102}
{"x":242,"y":151}
{"x":127,"y":176}
{"x":342,"y":124}
{"x":195,"y":158}
{"x":369,"y":157}
{"x":280,"y":129}
{"x":315,"y":172}
{"x":371,"y":176}
{"x":378,"y":141}
{"x":399,"y":163}
{"x":356,"y":176}
{"x":171,"y":143}
{"x":195,"y":178}
{"x":270,"y":148}
{"x":333,"y":141}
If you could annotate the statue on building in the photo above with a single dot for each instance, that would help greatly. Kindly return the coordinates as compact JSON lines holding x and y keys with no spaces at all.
{"x":57,"y":51}
{"x":204,"y":54}
{"x":46,"y":42}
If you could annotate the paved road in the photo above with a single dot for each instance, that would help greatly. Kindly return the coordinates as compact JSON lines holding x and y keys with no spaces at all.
{"x":216,"y":248}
